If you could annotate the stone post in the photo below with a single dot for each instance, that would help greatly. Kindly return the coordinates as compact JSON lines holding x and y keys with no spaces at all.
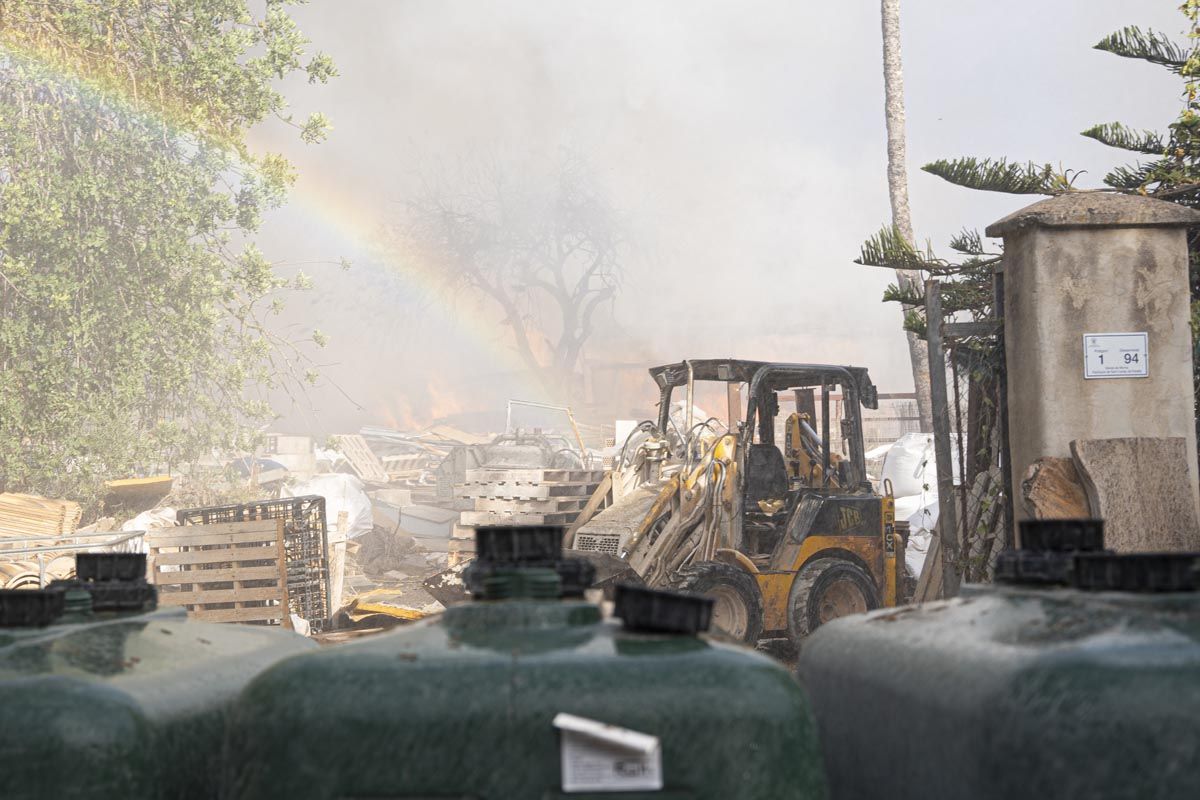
{"x":1089,"y":263}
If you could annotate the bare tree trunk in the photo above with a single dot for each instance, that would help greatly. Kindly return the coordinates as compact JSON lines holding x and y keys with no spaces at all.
{"x":897,"y":172}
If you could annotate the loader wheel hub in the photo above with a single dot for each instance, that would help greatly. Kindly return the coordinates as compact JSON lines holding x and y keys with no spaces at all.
{"x":841,"y":598}
{"x":729,"y":612}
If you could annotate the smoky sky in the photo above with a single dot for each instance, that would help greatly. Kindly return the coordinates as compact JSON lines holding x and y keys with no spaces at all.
{"x":745,"y":142}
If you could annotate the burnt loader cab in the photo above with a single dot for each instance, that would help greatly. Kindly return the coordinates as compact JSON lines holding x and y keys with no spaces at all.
{"x":775,"y":519}
{"x":778,"y":471}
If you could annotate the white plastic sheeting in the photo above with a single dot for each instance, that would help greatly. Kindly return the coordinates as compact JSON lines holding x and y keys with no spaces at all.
{"x":910,"y":465}
{"x":152,"y":520}
{"x":342,"y":492}
{"x":921,"y":523}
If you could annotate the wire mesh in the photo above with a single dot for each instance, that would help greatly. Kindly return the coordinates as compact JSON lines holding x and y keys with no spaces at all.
{"x":974,"y":366}
{"x":305,"y":542}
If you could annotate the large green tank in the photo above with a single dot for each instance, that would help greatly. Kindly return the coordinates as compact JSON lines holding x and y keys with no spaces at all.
{"x":524,"y":693}
{"x":1077,"y":677}
{"x":102,"y":696}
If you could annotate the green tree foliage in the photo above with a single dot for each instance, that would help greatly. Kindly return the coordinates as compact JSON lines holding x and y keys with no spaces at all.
{"x":132,"y":301}
{"x":966,"y":281}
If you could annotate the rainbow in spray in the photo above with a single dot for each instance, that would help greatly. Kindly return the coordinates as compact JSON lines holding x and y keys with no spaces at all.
{"x":319,"y":201}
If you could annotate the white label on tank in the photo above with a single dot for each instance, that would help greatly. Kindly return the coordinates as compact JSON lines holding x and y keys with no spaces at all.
{"x":597,"y":757}
{"x":1116,"y":355}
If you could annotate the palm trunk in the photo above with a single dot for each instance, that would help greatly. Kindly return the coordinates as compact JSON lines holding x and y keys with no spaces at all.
{"x":897,"y":172}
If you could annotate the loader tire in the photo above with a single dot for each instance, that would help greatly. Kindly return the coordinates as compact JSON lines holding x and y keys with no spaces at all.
{"x":825,"y":589}
{"x":737,"y":601}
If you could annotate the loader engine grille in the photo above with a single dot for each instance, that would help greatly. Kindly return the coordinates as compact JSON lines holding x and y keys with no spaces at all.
{"x":599,"y":543}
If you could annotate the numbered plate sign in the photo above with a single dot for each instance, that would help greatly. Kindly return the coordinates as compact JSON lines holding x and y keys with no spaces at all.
{"x":1116,"y":355}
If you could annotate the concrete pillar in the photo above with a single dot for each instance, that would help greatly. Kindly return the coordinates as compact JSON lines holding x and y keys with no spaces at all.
{"x":1096,"y":263}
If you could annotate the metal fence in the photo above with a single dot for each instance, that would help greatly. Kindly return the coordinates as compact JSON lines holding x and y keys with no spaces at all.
{"x":30,"y":561}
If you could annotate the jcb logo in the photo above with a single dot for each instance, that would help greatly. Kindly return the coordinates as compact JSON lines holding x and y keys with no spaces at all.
{"x":850,"y":517}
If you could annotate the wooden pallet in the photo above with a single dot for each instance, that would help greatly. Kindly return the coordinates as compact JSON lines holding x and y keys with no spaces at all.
{"x":361,"y":457}
{"x":929,"y":585}
{"x":552,"y":506}
{"x":224,"y":572}
{"x":534,"y":476}
{"x":524,"y":491}
{"x":476,"y":518}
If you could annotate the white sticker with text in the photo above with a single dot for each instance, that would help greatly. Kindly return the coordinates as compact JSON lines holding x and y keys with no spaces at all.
{"x":597,"y":757}
{"x":1116,"y":355}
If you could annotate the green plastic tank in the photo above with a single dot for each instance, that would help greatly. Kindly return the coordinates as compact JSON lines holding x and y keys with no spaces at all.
{"x":525,"y":692}
{"x":104,"y":696}
{"x":1077,"y":676}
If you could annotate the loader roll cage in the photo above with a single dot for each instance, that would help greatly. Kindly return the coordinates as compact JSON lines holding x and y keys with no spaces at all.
{"x":765,"y":379}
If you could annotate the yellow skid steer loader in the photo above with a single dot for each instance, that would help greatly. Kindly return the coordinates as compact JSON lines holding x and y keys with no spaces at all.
{"x":783,"y":539}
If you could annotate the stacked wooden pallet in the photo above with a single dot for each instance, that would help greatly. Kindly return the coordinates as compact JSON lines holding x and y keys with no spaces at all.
{"x":27,"y":515}
{"x":527,"y":496}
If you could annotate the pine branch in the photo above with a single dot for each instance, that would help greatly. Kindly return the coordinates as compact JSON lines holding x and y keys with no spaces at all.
{"x":1114,"y":134}
{"x":908,"y":296}
{"x":1001,"y":176}
{"x":974,"y":296}
{"x":914,"y":322}
{"x":1135,"y":177}
{"x":978,"y":264}
{"x":968,"y":242}
{"x":1132,"y":42}
{"x":888,"y":248}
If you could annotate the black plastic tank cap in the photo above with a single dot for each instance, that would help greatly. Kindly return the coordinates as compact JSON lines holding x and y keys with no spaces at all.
{"x":115,"y":581}
{"x":530,"y":545}
{"x":1062,"y":535}
{"x":30,"y":608}
{"x":110,"y":566}
{"x":661,"y":611}
{"x":576,"y":574}
{"x":1033,"y":568}
{"x":1137,"y":572}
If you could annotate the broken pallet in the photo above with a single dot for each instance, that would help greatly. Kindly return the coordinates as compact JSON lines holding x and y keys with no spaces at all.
{"x":362,"y":459}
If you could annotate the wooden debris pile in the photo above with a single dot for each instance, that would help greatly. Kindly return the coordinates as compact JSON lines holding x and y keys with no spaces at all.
{"x":412,"y":459}
{"x":27,"y":515}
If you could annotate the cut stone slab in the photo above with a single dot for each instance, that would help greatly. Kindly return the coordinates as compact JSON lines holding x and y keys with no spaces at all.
{"x":1139,"y":486}
{"x":1052,"y":489}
